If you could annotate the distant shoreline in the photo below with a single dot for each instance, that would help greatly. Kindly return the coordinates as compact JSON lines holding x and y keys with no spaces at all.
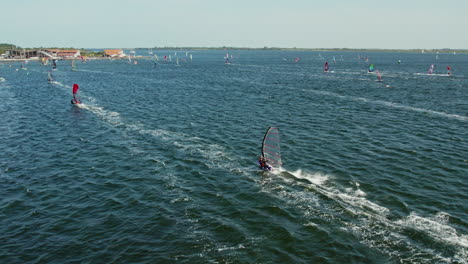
{"x":312,"y":49}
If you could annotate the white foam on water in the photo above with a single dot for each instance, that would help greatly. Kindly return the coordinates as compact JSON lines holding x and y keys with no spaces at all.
{"x":111,"y":117}
{"x":370,"y":223}
{"x":352,"y":199}
{"x":436,"y":227}
{"x":316,"y":178}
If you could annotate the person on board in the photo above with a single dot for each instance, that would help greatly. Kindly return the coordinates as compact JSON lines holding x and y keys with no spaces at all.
{"x":75,"y":101}
{"x":262,"y":162}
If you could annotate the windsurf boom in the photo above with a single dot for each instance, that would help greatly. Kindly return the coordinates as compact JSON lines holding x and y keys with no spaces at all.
{"x":271,"y":148}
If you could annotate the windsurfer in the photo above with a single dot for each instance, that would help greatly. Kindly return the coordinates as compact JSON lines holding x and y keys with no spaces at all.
{"x":75,"y":90}
{"x":262,"y":162}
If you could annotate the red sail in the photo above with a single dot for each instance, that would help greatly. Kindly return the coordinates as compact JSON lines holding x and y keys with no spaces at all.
{"x":75,"y":88}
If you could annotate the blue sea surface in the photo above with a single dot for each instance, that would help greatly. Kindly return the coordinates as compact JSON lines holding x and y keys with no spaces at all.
{"x":158,"y":165}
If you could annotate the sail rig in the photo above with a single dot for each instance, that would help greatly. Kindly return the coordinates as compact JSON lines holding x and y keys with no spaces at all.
{"x":379,"y":77}
{"x":431,"y":69}
{"x":50,"y":78}
{"x":271,"y":147}
{"x":75,"y":89}
{"x":371,"y":68}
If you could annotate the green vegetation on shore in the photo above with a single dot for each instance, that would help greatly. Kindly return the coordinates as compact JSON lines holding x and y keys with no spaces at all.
{"x":4,"y":47}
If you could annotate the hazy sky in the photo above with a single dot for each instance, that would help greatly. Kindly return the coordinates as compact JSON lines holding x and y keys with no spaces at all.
{"x":242,"y":23}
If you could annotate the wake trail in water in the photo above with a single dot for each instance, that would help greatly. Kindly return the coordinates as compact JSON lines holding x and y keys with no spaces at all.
{"x":185,"y":142}
{"x":370,"y":223}
{"x":370,"y":101}
{"x":389,"y":104}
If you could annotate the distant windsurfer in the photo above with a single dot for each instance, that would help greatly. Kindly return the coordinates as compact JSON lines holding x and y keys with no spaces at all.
{"x":75,"y":90}
{"x":449,"y":70}
{"x":262,"y":162}
{"x":325,"y":67}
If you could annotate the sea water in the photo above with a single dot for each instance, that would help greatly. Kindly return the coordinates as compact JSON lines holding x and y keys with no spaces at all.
{"x":158,"y":165}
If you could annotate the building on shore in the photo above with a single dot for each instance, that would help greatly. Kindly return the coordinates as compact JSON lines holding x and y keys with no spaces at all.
{"x":114,"y":53}
{"x":64,"y":54}
{"x":40,"y":53}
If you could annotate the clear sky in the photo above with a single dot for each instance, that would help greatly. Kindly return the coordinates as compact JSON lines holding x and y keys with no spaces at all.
{"x":395,"y":24}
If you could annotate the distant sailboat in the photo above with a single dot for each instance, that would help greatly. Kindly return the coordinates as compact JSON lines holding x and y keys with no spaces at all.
{"x":431,"y":69}
{"x":334,"y":59}
{"x":325,"y":67}
{"x":150,"y":51}
{"x":73,"y":66}
{"x":177,"y":61}
{"x":226,"y":59}
{"x":191,"y":57}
